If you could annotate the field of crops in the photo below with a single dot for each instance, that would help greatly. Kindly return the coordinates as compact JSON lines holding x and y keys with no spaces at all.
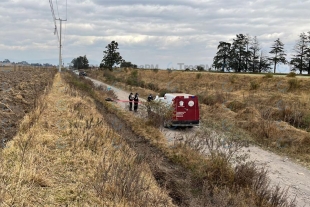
{"x":19,"y":90}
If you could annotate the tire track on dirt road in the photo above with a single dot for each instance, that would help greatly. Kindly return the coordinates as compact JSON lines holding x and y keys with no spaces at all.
{"x":281,"y":170}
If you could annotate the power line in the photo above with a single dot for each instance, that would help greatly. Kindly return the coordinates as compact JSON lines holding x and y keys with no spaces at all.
{"x":54,"y":19}
{"x":57,"y":8}
{"x":65,"y":30}
{"x":56,"y":30}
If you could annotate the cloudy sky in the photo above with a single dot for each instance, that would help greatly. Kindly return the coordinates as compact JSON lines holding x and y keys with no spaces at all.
{"x":159,"y":32}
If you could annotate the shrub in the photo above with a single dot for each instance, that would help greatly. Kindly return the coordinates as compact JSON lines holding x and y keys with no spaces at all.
{"x":133,"y":79}
{"x":209,"y":100}
{"x":306,"y":121}
{"x":162,"y":92}
{"x":155,"y":70}
{"x":109,"y":75}
{"x":152,"y":86}
{"x":141,"y":84}
{"x":219,"y":172}
{"x":233,"y":78}
{"x":291,"y":74}
{"x":293,"y":84}
{"x":198,"y":75}
{"x":269,"y":75}
{"x":236,"y":105}
{"x":254,"y":85}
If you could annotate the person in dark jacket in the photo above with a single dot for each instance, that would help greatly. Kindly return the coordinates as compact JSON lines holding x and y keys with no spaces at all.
{"x":150,"y":98}
{"x":130,"y":98}
{"x":136,"y":102}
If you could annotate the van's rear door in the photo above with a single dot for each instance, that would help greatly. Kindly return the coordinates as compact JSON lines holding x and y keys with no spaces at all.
{"x":186,"y":109}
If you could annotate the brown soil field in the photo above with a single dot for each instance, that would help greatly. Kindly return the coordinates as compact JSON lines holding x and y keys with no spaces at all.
{"x":19,"y":90}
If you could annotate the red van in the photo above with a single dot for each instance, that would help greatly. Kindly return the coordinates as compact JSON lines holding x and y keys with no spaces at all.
{"x":186,"y":108}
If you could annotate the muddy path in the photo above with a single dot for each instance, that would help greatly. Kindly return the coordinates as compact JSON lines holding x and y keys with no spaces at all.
{"x":281,"y":170}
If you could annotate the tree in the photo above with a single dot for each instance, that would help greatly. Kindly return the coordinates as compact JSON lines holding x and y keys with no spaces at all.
{"x":248,"y":53}
{"x":264,"y":64}
{"x":222,"y":56}
{"x":125,"y":64}
{"x":279,"y":55}
{"x":80,"y":62}
{"x":255,"y":58}
{"x":111,"y":56}
{"x":200,"y":68}
{"x":85,"y":62}
{"x":300,"y":60}
{"x":6,"y":61}
{"x":239,"y":54}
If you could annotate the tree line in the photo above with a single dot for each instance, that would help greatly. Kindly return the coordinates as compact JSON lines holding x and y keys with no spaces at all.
{"x":244,"y":54}
{"x":111,"y":58}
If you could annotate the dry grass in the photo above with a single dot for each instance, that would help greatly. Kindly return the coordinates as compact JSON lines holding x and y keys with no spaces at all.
{"x":275,"y":111}
{"x":213,"y":177}
{"x":66,"y":155}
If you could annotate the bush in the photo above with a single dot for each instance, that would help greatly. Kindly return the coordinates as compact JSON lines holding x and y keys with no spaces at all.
{"x":109,"y":75}
{"x":152,"y":86}
{"x":211,"y":99}
{"x":269,"y":75}
{"x":133,"y":79}
{"x":254,"y":85}
{"x":219,"y":172}
{"x":291,"y":75}
{"x":293,"y":84}
{"x":198,"y":75}
{"x":233,"y":78}
{"x":141,"y":84}
{"x":236,"y":105}
{"x":306,"y":121}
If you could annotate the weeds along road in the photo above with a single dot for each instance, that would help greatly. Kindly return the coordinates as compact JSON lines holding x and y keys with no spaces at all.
{"x":281,"y":170}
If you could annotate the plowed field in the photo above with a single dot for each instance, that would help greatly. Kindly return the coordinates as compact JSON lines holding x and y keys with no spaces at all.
{"x":19,"y":90}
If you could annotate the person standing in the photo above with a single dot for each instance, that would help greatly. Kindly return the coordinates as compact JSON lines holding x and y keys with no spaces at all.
{"x":150,"y":98}
{"x":136,"y":102}
{"x":131,"y":98}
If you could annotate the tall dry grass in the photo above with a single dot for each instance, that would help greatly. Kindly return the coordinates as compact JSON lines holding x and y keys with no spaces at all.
{"x":66,"y":155}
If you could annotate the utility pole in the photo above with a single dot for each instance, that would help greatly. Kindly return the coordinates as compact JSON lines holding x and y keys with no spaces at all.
{"x":60,"y":60}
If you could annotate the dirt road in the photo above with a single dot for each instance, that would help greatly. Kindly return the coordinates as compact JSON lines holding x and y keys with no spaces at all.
{"x":282,"y":171}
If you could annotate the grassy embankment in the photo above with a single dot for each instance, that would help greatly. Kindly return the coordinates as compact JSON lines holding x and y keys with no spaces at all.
{"x":66,"y":155}
{"x":273,"y":112}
